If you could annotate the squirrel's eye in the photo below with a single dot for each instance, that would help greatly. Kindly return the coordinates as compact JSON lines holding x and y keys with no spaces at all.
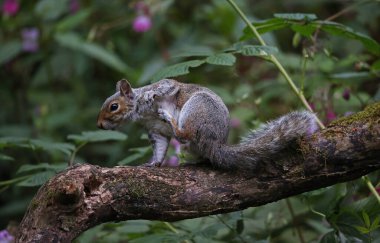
{"x":114,"y":107}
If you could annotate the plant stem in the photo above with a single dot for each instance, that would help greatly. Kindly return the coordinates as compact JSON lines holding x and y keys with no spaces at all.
{"x":231,"y":228}
{"x":299,"y":232}
{"x":275,"y":61}
{"x":371,"y":187}
{"x":13,"y":181}
{"x":72,"y":157}
{"x":171,"y":227}
{"x":299,"y":93}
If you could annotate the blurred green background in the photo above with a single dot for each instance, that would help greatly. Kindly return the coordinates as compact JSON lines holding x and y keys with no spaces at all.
{"x":61,"y":59}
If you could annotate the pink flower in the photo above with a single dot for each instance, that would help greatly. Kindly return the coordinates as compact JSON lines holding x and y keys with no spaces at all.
{"x":235,"y":122}
{"x":176,"y":145}
{"x":330,"y":116}
{"x":10,"y":7}
{"x":312,"y":106}
{"x":74,"y":6}
{"x":346,"y":94}
{"x":5,"y":237}
{"x":173,"y":161}
{"x":30,"y":39}
{"x":142,"y":23}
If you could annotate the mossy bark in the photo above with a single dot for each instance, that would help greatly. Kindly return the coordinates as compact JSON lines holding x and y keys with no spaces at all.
{"x":86,"y":195}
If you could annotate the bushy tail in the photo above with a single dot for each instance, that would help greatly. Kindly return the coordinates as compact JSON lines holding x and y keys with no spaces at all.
{"x":265,"y":142}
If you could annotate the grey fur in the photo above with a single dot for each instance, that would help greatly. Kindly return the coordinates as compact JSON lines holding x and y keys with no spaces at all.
{"x":196,"y":116}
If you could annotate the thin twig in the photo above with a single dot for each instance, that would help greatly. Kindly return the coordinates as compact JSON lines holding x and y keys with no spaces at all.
{"x":275,"y":61}
{"x":289,"y":79}
{"x":371,"y":188}
{"x":230,"y":228}
{"x":299,"y":232}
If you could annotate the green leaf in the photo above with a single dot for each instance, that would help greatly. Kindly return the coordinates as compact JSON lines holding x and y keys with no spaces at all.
{"x":330,"y":237}
{"x":376,"y":65}
{"x":295,"y":16}
{"x":177,"y":69}
{"x":337,"y":29}
{"x":212,"y":230}
{"x":239,"y":226}
{"x":12,"y":141}
{"x":375,"y":223}
{"x":316,"y":193}
{"x":352,"y":75}
{"x":130,"y":159}
{"x":252,"y":50}
{"x":50,"y":10}
{"x":194,"y":51}
{"x":263,"y":27}
{"x":296,"y":39}
{"x":141,"y":149}
{"x":48,"y":146}
{"x":6,"y":157}
{"x":42,"y":166}
{"x":98,"y":136}
{"x":366,"y":219}
{"x":65,"y":148}
{"x":9,"y":50}
{"x":73,"y":41}
{"x":226,"y":59}
{"x":73,"y":21}
{"x":140,"y":152}
{"x":13,"y":181}
{"x":284,"y":20}
{"x":134,"y":226}
{"x":153,"y":238}
{"x":37,"y":179}
{"x":304,"y":29}
{"x":268,"y":25}
{"x":362,"y":230}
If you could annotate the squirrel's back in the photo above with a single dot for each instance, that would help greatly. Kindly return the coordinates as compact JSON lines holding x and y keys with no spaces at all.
{"x":198,"y":117}
{"x":204,"y":122}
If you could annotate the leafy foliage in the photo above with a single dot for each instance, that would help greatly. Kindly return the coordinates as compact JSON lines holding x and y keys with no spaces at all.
{"x":97,"y":136}
{"x":73,"y":41}
{"x":224,"y":59}
{"x":307,"y":24}
{"x":54,"y":82}
{"x":177,"y":69}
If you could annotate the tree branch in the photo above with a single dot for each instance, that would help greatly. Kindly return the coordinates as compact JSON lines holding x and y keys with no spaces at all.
{"x":86,"y":195}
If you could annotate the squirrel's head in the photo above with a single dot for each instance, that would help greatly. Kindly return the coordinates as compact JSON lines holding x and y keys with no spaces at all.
{"x":117,"y":107}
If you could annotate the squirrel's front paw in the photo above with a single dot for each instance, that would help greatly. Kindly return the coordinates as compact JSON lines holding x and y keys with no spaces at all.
{"x":164,"y":115}
{"x":153,"y":163}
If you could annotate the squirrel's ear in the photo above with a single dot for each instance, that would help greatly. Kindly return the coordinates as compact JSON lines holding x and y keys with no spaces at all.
{"x":125,"y":88}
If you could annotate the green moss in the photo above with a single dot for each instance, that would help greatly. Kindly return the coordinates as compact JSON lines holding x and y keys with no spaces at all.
{"x":135,"y":189}
{"x":371,"y":114}
{"x":34,"y":204}
{"x":50,"y":194}
{"x":304,"y":148}
{"x":68,"y":222}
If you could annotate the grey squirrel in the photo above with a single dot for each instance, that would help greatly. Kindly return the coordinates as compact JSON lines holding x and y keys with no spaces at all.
{"x":196,"y":116}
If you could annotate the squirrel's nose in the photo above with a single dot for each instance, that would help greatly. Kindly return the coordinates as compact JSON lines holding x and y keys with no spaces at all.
{"x":100,"y":125}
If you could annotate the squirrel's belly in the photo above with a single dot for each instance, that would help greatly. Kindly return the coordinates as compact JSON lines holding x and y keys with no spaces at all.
{"x":160,"y":127}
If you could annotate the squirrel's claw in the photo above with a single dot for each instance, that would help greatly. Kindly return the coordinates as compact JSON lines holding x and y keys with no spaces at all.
{"x":164,"y":115}
{"x":152,"y":163}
